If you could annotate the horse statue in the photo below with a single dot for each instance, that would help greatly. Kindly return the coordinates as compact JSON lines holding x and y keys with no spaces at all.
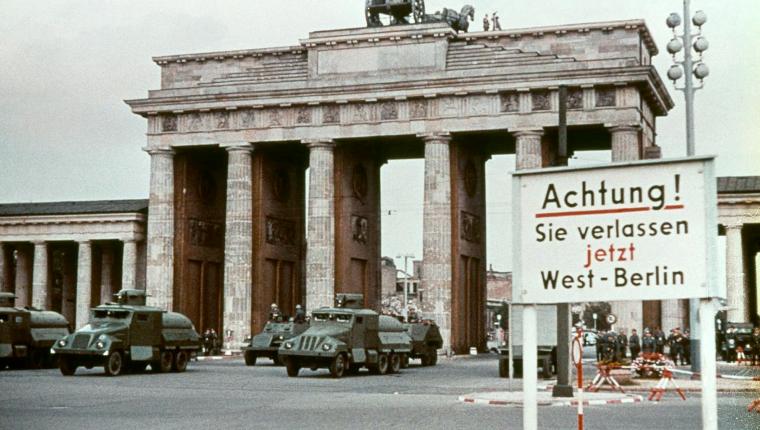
{"x":458,"y":21}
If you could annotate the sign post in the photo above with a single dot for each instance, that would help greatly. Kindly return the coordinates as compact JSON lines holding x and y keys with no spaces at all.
{"x":611,"y":233}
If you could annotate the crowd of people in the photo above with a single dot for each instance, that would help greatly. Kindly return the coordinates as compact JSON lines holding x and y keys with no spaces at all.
{"x":612,"y":346}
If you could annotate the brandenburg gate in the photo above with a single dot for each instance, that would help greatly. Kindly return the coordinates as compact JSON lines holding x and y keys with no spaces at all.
{"x":232,"y":226}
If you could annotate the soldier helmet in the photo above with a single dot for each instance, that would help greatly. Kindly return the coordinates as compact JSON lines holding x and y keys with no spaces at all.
{"x":298,"y":306}
{"x":274,"y":305}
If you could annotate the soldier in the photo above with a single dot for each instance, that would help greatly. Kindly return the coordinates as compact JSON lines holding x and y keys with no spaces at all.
{"x":486,"y":23}
{"x":496,"y":24}
{"x":599,"y":345}
{"x":648,"y":342}
{"x":300,"y":315}
{"x":621,"y":344}
{"x":686,"y":346}
{"x":412,"y":315}
{"x":756,"y":346}
{"x":610,"y":341}
{"x":659,"y":338}
{"x":676,"y":348}
{"x":670,"y":341}
{"x":634,"y":344}
{"x":274,"y":313}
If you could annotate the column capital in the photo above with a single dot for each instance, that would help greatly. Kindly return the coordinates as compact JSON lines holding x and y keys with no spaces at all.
{"x":733,"y":225}
{"x":622,"y":128}
{"x":159,"y":151}
{"x":319,"y":143}
{"x":237,"y":146}
{"x":84,"y":242}
{"x":527,"y":132}
{"x":39,"y":242}
{"x":435,"y":136}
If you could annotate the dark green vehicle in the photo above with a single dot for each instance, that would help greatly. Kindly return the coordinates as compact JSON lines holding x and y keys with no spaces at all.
{"x":127,"y":335}
{"x":426,"y":341}
{"x":346,"y":338}
{"x":26,"y":334}
{"x":267,"y":343}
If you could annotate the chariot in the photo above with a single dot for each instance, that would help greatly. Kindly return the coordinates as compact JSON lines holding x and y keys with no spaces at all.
{"x":397,"y":11}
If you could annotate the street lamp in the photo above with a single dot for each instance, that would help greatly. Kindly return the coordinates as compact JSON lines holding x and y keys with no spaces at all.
{"x":688,"y":69}
{"x":406,"y":258}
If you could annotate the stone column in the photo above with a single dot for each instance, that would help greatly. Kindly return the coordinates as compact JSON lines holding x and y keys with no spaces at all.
{"x":23,"y":277}
{"x":68,"y":293}
{"x":40,"y":276}
{"x":625,"y":143}
{"x":84,"y":283}
{"x":736,"y":296}
{"x":238,"y":245}
{"x":106,"y":273}
{"x":320,"y":237}
{"x":3,"y":269}
{"x":160,"y":260}
{"x":436,"y":276}
{"x":528,"y":149}
{"x":129,"y":265}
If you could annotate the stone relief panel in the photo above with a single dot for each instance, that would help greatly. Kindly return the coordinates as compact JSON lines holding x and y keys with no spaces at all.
{"x":359,"y":229}
{"x":575,"y":98}
{"x":331,"y":114}
{"x":470,"y":228}
{"x":448,"y":106}
{"x":418,"y":109}
{"x":605,"y":96}
{"x":510,"y":102}
{"x":280,"y":232}
{"x":541,"y":100}
{"x":388,"y":111}
{"x":221,"y":120}
{"x":206,"y":234}
{"x":247,"y":118}
{"x":169,"y":123}
{"x":274,"y":118}
{"x":195,"y":122}
{"x":361,"y":112}
{"x":303,"y":115}
{"x":479,"y":105}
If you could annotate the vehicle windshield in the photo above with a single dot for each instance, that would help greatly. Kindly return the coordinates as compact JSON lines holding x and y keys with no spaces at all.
{"x":322,"y":317}
{"x":110,"y":314}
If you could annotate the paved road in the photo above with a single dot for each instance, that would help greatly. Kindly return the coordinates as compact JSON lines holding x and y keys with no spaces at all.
{"x":227,"y":394}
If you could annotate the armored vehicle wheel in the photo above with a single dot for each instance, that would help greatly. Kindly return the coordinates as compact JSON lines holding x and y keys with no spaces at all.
{"x":292,"y":367}
{"x":114,"y":364}
{"x":353,"y":369}
{"x":394,"y":363}
{"x":338,"y":366}
{"x":278,"y":360}
{"x":250,"y":359}
{"x":164,"y":363}
{"x":424,"y":359}
{"x":432,"y":356}
{"x":36,"y":359}
{"x":404,"y":361}
{"x":68,"y":366}
{"x":381,"y":368}
{"x":180,"y":361}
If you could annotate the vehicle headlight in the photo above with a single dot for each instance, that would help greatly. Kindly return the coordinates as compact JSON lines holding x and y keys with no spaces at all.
{"x":62,"y":342}
{"x":326,"y":347}
{"x":100,"y":344}
{"x":279,"y":337}
{"x":288,"y":345}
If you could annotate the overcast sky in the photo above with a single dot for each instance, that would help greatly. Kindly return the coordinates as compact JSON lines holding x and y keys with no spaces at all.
{"x":67,"y":66}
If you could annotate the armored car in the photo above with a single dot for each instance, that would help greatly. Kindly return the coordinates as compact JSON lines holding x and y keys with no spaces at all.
{"x":346,"y":338}
{"x":267,"y":343}
{"x":426,"y":341}
{"x":26,"y":334}
{"x":127,"y":335}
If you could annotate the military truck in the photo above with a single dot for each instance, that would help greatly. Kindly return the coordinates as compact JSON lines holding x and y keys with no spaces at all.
{"x":127,"y":335}
{"x":26,"y":334}
{"x":547,"y":342}
{"x":346,"y":338}
{"x":426,"y":341}
{"x":267,"y":343}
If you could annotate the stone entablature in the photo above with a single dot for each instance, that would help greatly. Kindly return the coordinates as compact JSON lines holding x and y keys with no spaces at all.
{"x":73,"y":227}
{"x":405,"y":81}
